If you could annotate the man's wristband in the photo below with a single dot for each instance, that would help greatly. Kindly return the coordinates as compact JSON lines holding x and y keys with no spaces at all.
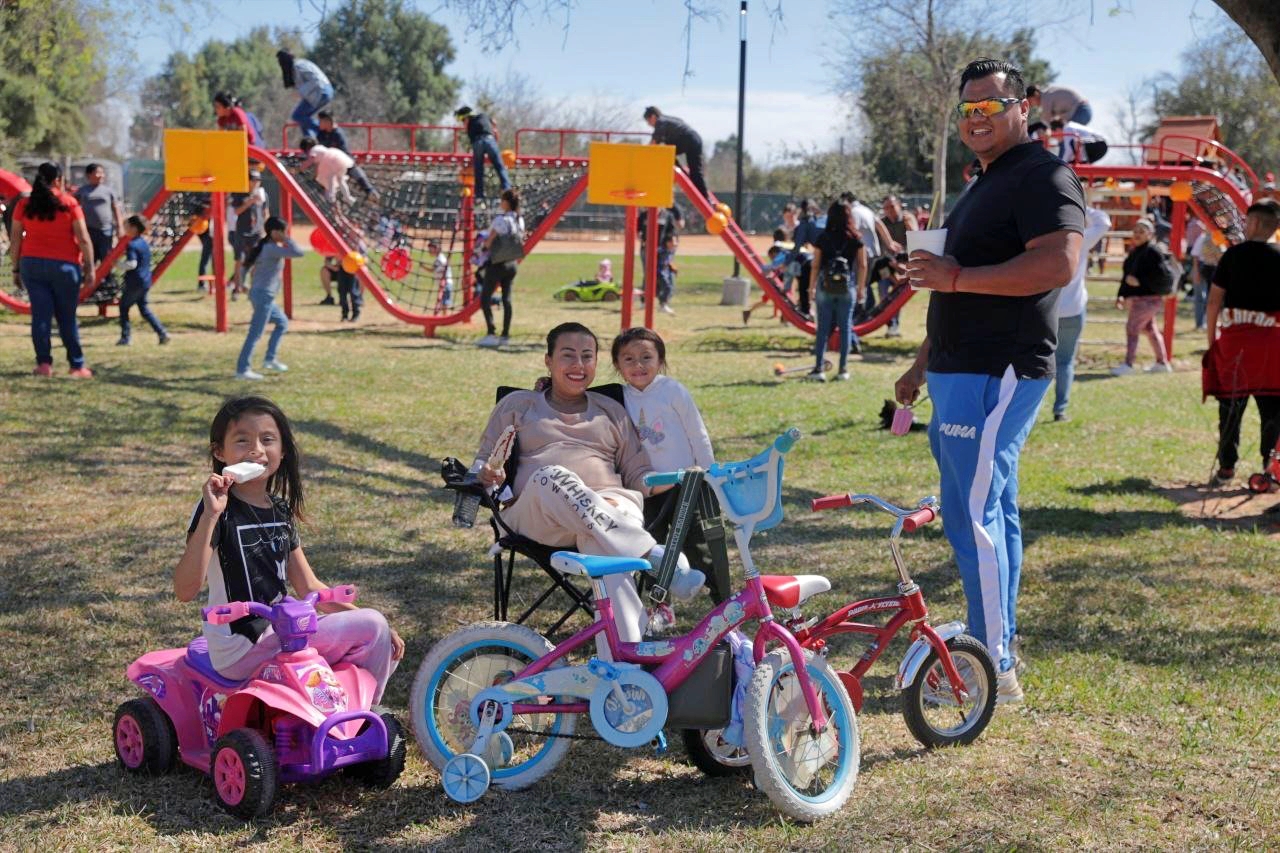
{"x":955,"y":277}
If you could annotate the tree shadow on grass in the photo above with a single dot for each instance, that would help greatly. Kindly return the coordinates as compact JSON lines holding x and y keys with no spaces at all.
{"x":1064,"y":625}
{"x":429,"y":465}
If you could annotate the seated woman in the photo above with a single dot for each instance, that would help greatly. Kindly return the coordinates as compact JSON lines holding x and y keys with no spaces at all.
{"x":579,"y":483}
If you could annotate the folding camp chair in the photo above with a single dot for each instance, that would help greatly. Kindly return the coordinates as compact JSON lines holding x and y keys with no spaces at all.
{"x":508,"y":544}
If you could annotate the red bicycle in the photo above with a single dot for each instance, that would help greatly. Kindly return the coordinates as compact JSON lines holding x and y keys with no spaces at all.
{"x":947,"y":677}
{"x":1269,"y":479}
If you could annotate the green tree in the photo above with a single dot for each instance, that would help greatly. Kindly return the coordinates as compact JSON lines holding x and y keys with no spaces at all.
{"x":722,"y":167}
{"x":387,"y":62}
{"x":822,"y":176}
{"x":50,"y":66}
{"x":1223,"y":75}
{"x":181,"y":95}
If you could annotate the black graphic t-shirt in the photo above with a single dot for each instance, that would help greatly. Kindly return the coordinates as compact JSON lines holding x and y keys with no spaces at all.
{"x":251,"y":554}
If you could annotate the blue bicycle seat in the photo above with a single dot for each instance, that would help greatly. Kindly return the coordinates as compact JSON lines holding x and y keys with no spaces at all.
{"x":594,"y":566}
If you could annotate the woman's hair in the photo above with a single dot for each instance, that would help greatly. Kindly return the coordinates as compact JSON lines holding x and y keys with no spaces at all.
{"x":43,"y":203}
{"x":639,"y":333}
{"x":512,"y":198}
{"x":137,"y":222}
{"x":568,"y":329}
{"x":285,"y":58}
{"x":285,"y":483}
{"x":839,"y":222}
{"x":273,"y":223}
{"x":226,"y":99}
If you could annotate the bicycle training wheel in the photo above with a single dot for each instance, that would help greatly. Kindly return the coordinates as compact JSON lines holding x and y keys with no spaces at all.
{"x":454,"y":672}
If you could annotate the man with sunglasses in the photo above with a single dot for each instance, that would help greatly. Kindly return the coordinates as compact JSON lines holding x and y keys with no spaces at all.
{"x":1013,"y":239}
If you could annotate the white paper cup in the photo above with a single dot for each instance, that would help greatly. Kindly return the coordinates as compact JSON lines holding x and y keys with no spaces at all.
{"x":933,"y":240}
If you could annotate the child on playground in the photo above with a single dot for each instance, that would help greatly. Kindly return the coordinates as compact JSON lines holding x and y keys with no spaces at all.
{"x":332,"y":165}
{"x":263,"y":263}
{"x":604,"y":271}
{"x":137,"y":281}
{"x":440,"y":273}
{"x":243,"y":539}
{"x":673,"y":433}
{"x":666,"y":274}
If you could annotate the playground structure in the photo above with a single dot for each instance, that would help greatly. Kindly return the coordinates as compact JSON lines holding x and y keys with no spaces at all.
{"x":426,"y":193}
{"x":1187,"y":163}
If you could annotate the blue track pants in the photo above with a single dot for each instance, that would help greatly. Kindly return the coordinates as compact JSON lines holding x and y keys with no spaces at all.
{"x":979,"y":425}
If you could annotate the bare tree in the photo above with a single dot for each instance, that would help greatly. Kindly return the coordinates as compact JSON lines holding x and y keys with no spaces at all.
{"x":1134,"y":117}
{"x":929,"y":42}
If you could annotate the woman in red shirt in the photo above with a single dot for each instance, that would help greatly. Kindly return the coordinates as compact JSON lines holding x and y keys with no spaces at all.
{"x":51,"y":255}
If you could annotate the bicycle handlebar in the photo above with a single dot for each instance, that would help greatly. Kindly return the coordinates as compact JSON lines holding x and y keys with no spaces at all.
{"x":664,"y":478}
{"x":912,"y":519}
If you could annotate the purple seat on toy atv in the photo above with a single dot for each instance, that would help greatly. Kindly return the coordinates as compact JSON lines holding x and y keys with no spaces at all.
{"x":198,"y":659}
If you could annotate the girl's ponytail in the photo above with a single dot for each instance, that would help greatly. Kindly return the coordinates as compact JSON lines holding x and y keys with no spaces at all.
{"x":251,"y":257}
{"x":43,"y":203}
{"x":273,"y":223}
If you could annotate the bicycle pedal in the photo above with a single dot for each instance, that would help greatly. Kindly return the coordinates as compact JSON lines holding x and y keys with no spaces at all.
{"x":659,"y":744}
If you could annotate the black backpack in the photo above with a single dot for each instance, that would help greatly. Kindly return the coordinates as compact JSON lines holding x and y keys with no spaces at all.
{"x":836,"y":275}
{"x":1170,"y":269}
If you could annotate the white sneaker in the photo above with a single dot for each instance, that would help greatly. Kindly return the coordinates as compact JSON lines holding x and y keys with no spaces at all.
{"x":250,"y":374}
{"x":488,"y":341}
{"x":504,"y":340}
{"x":893,"y":333}
{"x":816,"y":376}
{"x":1122,"y":370}
{"x":1008,"y":689}
{"x":1160,"y":367}
{"x":842,"y":376}
{"x":277,"y":366}
{"x":665,"y":308}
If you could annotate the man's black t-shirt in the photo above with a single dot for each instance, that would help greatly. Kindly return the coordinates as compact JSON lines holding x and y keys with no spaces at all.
{"x":669,"y":130}
{"x":1250,"y":275}
{"x":334,"y":138}
{"x":479,"y":126}
{"x":1026,"y":193}
{"x":253,"y":547}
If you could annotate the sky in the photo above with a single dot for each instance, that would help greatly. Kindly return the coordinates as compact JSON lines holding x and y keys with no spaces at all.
{"x":634,"y":51}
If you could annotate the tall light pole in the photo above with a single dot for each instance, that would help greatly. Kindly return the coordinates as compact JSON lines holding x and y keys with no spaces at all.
{"x":742,"y":93}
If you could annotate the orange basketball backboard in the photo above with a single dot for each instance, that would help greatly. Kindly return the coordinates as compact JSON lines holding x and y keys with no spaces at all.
{"x":215,"y":161}
{"x":631,"y":175}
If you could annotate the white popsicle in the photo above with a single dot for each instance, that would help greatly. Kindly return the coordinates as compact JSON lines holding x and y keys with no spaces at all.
{"x":243,"y":472}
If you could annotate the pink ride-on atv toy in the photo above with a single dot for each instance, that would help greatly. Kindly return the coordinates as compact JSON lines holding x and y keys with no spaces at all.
{"x":296,"y":720}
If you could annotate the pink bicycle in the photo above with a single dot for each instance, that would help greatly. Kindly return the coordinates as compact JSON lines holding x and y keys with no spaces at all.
{"x":496,"y":703}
